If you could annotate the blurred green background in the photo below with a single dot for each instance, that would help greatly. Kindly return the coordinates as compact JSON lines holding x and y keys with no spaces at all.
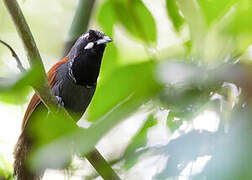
{"x":174,"y":93}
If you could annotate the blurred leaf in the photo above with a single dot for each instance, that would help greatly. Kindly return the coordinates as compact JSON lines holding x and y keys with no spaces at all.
{"x":215,"y":9}
{"x":13,"y":94}
{"x":188,"y":46}
{"x":171,"y":122}
{"x":189,"y":83}
{"x":184,"y":149}
{"x":173,"y":13}
{"x":231,"y":158}
{"x":6,"y":171}
{"x":241,"y":26}
{"x":190,"y":101}
{"x":56,"y":127}
{"x":143,"y":19}
{"x":196,"y":24}
{"x":243,"y":17}
{"x":139,"y":140}
{"x":15,"y":90}
{"x":107,"y":17}
{"x":133,"y":15}
{"x":110,"y":62}
{"x":137,"y":80}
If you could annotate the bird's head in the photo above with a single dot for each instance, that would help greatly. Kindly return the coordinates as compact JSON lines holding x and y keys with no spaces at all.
{"x":91,"y":43}
{"x":86,"y":55}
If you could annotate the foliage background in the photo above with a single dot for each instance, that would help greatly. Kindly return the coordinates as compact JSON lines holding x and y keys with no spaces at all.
{"x":176,"y":80}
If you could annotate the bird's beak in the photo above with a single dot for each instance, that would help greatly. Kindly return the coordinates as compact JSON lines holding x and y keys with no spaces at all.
{"x":104,"y":40}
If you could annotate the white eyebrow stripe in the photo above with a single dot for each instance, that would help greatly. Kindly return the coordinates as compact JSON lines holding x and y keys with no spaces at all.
{"x":89,"y":45}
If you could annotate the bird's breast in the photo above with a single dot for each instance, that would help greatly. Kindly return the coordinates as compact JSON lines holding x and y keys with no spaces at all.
{"x":76,"y":98}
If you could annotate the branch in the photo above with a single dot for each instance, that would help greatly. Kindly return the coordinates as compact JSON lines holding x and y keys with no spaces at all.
{"x":101,"y":165}
{"x":14,"y":54}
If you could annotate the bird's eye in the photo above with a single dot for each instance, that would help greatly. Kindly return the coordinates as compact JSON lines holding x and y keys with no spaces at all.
{"x":90,"y":38}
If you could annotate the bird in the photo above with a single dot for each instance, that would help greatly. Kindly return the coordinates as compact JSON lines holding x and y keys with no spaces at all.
{"x":73,"y":81}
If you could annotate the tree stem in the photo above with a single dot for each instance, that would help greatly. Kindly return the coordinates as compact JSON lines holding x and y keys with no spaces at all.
{"x":101,"y":165}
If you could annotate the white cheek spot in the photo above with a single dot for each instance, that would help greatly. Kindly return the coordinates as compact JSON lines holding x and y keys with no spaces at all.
{"x":89,"y":45}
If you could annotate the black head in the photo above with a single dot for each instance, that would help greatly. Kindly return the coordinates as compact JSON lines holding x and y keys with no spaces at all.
{"x":85,"y":57}
{"x":90,"y":43}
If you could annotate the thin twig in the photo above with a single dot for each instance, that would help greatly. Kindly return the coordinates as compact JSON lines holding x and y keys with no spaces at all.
{"x":14,"y":54}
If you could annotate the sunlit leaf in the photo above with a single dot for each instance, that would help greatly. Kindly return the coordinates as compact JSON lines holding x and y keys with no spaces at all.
{"x":241,"y":26}
{"x":185,"y":149}
{"x":215,"y":9}
{"x":143,"y":20}
{"x":139,"y":140}
{"x":107,"y":17}
{"x":231,"y":158}
{"x":55,"y":126}
{"x":45,"y":129}
{"x":15,"y":89}
{"x":133,"y":15}
{"x":6,"y":171}
{"x":110,"y":61}
{"x":136,"y":18}
{"x":137,"y":80}
{"x":173,"y":12}
{"x":173,"y":123}
{"x":188,"y":46}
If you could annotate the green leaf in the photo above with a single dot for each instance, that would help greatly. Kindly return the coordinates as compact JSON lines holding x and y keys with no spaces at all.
{"x":215,"y":9}
{"x":45,"y":129}
{"x":144,"y":21}
{"x":188,"y":46}
{"x":171,"y":122}
{"x":55,"y":126}
{"x":110,"y":61}
{"x":15,"y":90}
{"x":136,"y":81}
{"x":6,"y":171}
{"x":136,"y":18}
{"x":173,"y":13}
{"x":106,"y":17}
{"x":139,"y":140}
{"x":241,"y":26}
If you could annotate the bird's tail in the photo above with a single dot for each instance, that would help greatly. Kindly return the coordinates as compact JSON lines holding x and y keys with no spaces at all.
{"x":22,"y":149}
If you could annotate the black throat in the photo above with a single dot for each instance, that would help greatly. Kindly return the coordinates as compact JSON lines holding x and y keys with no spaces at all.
{"x":86,"y":67}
